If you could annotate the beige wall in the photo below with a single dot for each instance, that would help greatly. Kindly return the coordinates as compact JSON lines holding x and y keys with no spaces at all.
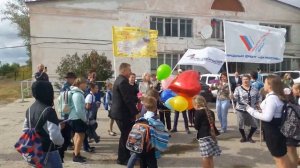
{"x":93,"y":19}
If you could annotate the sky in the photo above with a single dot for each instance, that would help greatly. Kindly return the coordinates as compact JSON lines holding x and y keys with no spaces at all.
{"x":9,"y":37}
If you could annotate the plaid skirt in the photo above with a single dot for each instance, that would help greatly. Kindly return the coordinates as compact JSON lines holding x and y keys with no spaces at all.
{"x":208,"y":147}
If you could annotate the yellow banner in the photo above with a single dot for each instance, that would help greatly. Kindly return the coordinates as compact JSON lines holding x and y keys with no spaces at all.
{"x":134,"y":42}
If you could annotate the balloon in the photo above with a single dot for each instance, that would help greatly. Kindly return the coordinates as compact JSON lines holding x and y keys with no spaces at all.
{"x":186,"y":83}
{"x":163,"y":71}
{"x":166,"y":82}
{"x":190,"y":102}
{"x":169,"y":103}
{"x":189,"y":99}
{"x":166,"y":94}
{"x":180,"y":103}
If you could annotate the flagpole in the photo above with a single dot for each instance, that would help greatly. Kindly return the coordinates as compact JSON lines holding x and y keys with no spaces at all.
{"x":174,"y":67}
{"x":114,"y":53}
{"x":227,"y":71}
{"x":115,"y":68}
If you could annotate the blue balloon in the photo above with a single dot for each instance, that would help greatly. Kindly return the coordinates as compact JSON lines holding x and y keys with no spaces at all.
{"x":167,"y":94}
{"x":168,"y":104}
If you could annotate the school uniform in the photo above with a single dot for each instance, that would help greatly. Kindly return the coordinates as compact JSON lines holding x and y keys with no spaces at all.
{"x":207,"y":146}
{"x":271,"y":122}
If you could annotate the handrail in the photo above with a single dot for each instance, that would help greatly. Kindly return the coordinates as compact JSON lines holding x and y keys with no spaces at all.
{"x":26,"y":89}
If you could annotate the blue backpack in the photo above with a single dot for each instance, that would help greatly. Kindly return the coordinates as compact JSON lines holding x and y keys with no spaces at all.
{"x":105,"y":103}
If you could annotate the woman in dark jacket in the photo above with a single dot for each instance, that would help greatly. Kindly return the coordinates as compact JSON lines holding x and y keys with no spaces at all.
{"x":43,"y":117}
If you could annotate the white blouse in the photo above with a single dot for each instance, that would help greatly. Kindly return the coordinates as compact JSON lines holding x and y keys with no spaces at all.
{"x":271,"y":108}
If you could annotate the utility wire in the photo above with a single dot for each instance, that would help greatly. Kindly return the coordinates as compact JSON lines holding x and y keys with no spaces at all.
{"x":67,"y":38}
{"x":20,"y":46}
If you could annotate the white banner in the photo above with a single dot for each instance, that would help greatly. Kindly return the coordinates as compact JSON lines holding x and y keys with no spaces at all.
{"x":209,"y":58}
{"x":253,"y":43}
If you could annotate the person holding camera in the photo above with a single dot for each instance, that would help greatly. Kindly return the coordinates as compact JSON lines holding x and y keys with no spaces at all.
{"x":41,"y":74}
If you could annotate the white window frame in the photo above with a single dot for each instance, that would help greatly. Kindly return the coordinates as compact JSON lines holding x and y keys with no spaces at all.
{"x":178,"y":25}
{"x":173,"y":64}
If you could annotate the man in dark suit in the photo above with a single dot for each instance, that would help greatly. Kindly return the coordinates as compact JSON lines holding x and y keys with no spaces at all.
{"x":123,"y":110}
{"x":237,"y":81}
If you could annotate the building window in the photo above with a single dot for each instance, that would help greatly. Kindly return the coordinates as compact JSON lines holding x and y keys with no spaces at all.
{"x":170,"y":59}
{"x":287,"y":27}
{"x":218,"y":30}
{"x":172,"y":27}
{"x":286,"y":64}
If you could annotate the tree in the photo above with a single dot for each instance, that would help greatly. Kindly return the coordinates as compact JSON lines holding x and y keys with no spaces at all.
{"x":7,"y":68}
{"x":80,"y":65}
{"x":17,"y":12}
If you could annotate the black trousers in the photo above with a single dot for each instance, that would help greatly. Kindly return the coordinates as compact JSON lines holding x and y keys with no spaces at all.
{"x":184,"y":119}
{"x":67,"y":134}
{"x":191,"y":114}
{"x":148,"y":159}
{"x":125,"y":128}
{"x":165,"y":118}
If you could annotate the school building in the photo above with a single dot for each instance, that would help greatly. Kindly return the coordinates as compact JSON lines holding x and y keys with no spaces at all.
{"x":62,"y":27}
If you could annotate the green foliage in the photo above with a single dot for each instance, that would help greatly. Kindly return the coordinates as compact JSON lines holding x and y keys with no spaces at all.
{"x":81,"y":65}
{"x":15,"y":71}
{"x":7,"y":68}
{"x":17,"y":12}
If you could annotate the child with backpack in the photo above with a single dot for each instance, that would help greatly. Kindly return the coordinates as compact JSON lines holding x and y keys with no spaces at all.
{"x":293,"y":143}
{"x":41,"y":130}
{"x":147,"y":137}
{"x":107,"y":101}
{"x":207,"y":132}
{"x":92,"y":109}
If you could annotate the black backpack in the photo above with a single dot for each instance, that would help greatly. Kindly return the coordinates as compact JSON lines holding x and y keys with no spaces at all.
{"x":290,"y":126}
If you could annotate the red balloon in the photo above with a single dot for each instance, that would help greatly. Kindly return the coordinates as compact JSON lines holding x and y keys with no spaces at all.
{"x":190,"y":100}
{"x":186,"y":83}
{"x":166,"y":82}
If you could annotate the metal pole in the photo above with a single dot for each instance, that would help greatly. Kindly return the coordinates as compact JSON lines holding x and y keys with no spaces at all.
{"x":227,"y":70}
{"x":115,"y":68}
{"x":174,"y":67}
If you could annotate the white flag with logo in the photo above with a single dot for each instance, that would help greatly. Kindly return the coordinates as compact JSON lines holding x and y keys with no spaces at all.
{"x":209,"y":58}
{"x":253,"y":43}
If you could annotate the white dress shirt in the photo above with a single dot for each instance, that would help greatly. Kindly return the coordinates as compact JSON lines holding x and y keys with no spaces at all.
{"x":236,"y":80}
{"x":271,"y":108}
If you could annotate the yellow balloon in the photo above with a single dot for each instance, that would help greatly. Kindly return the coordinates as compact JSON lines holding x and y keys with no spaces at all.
{"x":172,"y":101}
{"x":179,"y":103}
